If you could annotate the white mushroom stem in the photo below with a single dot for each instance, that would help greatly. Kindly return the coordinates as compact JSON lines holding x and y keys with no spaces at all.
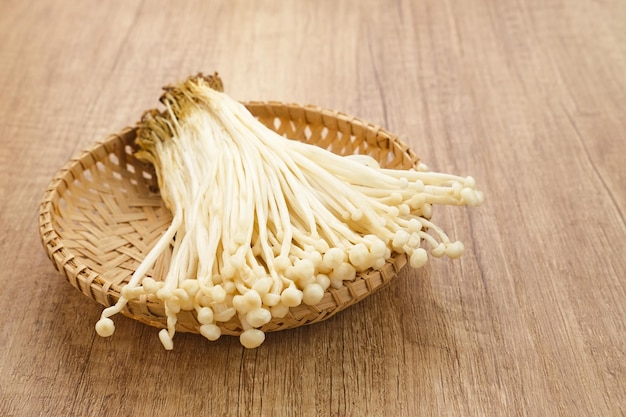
{"x":262,"y":223}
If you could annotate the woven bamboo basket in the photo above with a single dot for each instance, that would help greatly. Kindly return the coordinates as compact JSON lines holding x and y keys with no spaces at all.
{"x":102,"y":213}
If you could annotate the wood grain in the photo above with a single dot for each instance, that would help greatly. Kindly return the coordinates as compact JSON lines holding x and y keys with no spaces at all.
{"x":526,"y":96}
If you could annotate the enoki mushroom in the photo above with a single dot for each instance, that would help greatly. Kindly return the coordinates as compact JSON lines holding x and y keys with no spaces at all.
{"x":262,"y":223}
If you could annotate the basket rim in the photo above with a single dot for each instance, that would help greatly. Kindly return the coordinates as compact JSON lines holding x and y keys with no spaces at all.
{"x":69,"y":265}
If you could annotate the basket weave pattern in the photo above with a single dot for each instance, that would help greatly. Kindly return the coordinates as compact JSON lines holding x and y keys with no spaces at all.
{"x":102,"y":214}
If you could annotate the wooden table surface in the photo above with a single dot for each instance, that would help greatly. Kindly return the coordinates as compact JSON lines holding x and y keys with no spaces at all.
{"x":528,"y":97}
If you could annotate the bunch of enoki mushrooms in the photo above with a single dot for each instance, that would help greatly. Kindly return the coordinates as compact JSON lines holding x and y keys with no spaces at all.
{"x":262,"y":223}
